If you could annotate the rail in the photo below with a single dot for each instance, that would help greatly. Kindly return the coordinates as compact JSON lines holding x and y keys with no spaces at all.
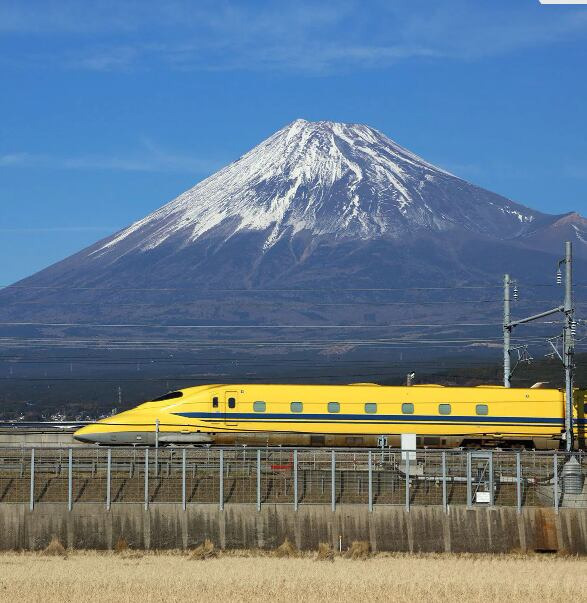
{"x":286,"y":476}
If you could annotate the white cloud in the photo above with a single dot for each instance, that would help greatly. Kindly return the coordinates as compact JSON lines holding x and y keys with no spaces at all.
{"x":151,"y":158}
{"x":59,"y":229}
{"x":288,"y":36}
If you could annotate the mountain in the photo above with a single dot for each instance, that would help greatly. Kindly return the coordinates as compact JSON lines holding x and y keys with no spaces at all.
{"x":339,"y":181}
{"x":318,"y":205}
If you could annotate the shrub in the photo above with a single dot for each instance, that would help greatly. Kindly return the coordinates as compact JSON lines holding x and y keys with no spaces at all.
{"x":206,"y":550}
{"x":359,"y":549}
{"x":55,"y":548}
{"x":287,"y":549}
{"x":121,"y":545}
{"x":325,"y":552}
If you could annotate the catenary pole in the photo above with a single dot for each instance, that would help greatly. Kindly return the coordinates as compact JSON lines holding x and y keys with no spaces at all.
{"x":568,"y":336}
{"x":568,"y":345}
{"x":507,"y":331}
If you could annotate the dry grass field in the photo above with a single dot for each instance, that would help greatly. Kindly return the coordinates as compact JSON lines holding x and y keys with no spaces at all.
{"x":134,"y":576}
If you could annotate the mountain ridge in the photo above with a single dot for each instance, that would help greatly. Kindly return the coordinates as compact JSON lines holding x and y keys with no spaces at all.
{"x":316,"y":205}
{"x":331,"y":179}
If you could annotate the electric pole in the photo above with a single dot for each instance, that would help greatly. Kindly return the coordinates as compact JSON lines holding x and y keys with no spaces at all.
{"x":568,"y":356}
{"x":568,"y":344}
{"x":507,"y":332}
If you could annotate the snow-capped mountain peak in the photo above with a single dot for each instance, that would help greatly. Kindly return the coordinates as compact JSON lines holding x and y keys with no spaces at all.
{"x":347,"y":181}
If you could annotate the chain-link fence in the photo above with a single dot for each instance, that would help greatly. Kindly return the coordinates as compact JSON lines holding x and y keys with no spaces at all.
{"x":294,"y":477}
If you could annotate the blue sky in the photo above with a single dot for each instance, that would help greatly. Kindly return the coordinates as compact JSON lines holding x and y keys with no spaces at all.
{"x":110,"y":109}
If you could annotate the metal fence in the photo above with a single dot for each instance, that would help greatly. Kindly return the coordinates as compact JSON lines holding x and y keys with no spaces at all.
{"x":189,"y":476}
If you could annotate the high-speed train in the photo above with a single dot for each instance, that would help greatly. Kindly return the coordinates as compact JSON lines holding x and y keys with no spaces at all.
{"x":345,"y":415}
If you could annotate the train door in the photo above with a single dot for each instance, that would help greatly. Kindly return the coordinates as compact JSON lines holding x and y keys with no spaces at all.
{"x":230,"y":401}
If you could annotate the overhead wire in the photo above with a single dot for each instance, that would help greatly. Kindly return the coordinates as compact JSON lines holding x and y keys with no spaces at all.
{"x":199,"y":289}
{"x":254,"y":326}
{"x":278,"y":302}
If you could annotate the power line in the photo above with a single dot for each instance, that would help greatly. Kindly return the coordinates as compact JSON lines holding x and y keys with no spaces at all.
{"x":198,"y":289}
{"x":272,"y":303}
{"x":264,"y":290}
{"x":255,"y":326}
{"x":234,"y":341}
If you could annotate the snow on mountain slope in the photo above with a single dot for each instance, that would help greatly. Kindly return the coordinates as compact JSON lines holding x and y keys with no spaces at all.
{"x":344,"y":181}
{"x":318,"y":205}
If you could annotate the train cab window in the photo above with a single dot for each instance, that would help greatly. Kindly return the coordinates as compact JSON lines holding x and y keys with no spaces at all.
{"x":482,"y":409}
{"x":333,"y":407}
{"x":231,"y":402}
{"x":407,"y":408}
{"x":444,"y":409}
{"x":215,"y":402}
{"x":296,"y":407}
{"x":259,"y":406}
{"x":370,"y":408}
{"x":168,"y":396}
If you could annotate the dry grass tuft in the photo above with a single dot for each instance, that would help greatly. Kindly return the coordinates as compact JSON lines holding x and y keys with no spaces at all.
{"x":206,"y":550}
{"x":130,"y":554}
{"x":121,"y":545}
{"x":287,"y":549}
{"x":325,"y":552}
{"x":359,"y":549}
{"x":55,"y":548}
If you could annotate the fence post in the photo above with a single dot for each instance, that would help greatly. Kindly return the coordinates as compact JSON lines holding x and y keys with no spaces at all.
{"x":370,"y":490}
{"x":258,"y":480}
{"x":333,"y":481}
{"x":444,"y":492}
{"x":407,"y":476}
{"x":146,"y":478}
{"x":221,"y":486}
{"x":519,"y":481}
{"x":183,"y":468}
{"x":469,"y":485}
{"x":156,"y":447}
{"x":490,"y":467}
{"x":32,"y":493}
{"x":555,"y":484}
{"x":70,"y":480}
{"x":109,"y":479}
{"x":295,"y":476}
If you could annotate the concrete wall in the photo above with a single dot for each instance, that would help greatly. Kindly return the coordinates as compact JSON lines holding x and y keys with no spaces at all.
{"x":167,"y":526}
{"x":37,"y":437}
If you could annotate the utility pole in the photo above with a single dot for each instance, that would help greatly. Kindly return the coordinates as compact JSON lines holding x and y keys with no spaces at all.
{"x":507,"y":332}
{"x":568,"y":357}
{"x":569,"y":344}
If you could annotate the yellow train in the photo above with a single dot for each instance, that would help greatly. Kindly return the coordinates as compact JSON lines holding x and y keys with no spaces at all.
{"x":345,"y":415}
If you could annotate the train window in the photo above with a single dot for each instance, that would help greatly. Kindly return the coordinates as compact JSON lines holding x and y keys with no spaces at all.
{"x":259,"y":406}
{"x":370,"y":408}
{"x":333,"y":407}
{"x":354,"y":441}
{"x":444,"y":409}
{"x":407,"y":408}
{"x":169,"y":396}
{"x":215,"y":402}
{"x":428,"y":441}
{"x":296,"y":407}
{"x":231,"y":402}
{"x":482,"y":409}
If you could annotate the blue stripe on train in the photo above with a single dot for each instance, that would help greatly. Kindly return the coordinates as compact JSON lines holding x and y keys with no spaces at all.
{"x":313,"y":418}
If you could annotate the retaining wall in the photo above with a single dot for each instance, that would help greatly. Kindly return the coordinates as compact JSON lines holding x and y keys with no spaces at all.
{"x":389,"y":528}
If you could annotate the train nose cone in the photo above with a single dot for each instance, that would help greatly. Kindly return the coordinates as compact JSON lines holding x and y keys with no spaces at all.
{"x":86,"y":439}
{"x":88,"y":435}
